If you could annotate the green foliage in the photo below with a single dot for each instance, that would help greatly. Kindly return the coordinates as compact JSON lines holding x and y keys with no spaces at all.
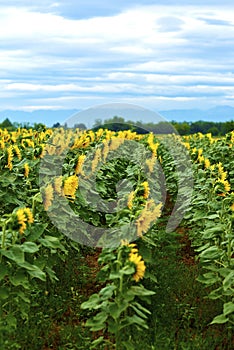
{"x":47,"y":291}
{"x":118,"y":303}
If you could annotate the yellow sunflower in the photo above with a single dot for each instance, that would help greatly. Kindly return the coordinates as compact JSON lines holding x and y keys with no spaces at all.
{"x":29,"y":215}
{"x":145,"y":184}
{"x":79,"y":165}
{"x":130,"y":199}
{"x":139,"y":265}
{"x":10,"y":156}
{"x":58,"y":182}
{"x":225,"y":184}
{"x":48,"y":196}
{"x":22,"y":219}
{"x":70,"y":186}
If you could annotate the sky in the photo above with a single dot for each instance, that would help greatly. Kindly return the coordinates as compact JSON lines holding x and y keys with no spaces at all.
{"x":160,"y":55}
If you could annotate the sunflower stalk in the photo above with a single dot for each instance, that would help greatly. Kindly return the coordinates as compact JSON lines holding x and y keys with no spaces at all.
{"x":117,"y":304}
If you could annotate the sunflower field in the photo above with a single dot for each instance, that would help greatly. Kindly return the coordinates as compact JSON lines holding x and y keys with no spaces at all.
{"x":116,"y":240}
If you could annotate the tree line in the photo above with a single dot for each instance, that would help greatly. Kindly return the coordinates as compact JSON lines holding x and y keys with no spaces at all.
{"x":118,"y":123}
{"x":183,"y":128}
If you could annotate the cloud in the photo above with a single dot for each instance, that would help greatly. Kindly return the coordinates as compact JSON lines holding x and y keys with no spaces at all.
{"x":163,"y":55}
{"x":215,"y":21}
{"x":170,"y":24}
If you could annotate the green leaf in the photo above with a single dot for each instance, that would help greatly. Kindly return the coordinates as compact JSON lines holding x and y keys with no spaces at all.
{"x":96,"y":342}
{"x":15,"y":253}
{"x":216,"y":294}
{"x":36,"y":231}
{"x":92,"y":303}
{"x":95,"y":325}
{"x":51,"y":242}
{"x":228,"y":281}
{"x":3,"y":271}
{"x":139,"y":312}
{"x":115,"y":275}
{"x":142,"y":308}
{"x":208,"y":278}
{"x":223,"y":271}
{"x":210,"y":253}
{"x":51,"y":274}
{"x":101,"y":317}
{"x":140,"y":291}
{"x":107,"y":292}
{"x":127,"y":270}
{"x":4,"y":293}
{"x":34,"y":271}
{"x":29,"y":247}
{"x":219,"y":319}
{"x":133,"y":320}
{"x":203,"y":247}
{"x":20,"y":279}
{"x":116,"y":309}
{"x":212,"y":216}
{"x":228,"y":308}
{"x":212,"y":232}
{"x":23,"y":296}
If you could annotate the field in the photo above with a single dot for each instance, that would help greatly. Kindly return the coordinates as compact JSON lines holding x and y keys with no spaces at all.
{"x":116,"y":240}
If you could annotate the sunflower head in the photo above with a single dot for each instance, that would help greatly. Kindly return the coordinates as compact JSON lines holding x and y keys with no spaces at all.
{"x":70,"y":186}
{"x":139,"y":264}
{"x":48,"y":196}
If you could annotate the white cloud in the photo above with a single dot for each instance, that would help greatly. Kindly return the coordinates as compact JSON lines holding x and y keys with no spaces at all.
{"x":164,"y":54}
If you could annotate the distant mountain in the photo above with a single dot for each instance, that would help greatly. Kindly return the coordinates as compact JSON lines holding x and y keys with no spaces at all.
{"x":47,"y":117}
{"x":108,"y":111}
{"x":216,"y":114}
{"x":127,"y":111}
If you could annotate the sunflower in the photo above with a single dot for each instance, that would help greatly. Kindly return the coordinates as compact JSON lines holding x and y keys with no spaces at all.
{"x":24,"y":215}
{"x":150,"y":162}
{"x":222,"y":173}
{"x":106,"y":149}
{"x":207,"y":163}
{"x":145,"y":184}
{"x":187,"y":145}
{"x":224,"y":184}
{"x":96,"y":159}
{"x":10,"y":156}
{"x":48,"y":196}
{"x":17,"y":152}
{"x":115,"y":143}
{"x":79,"y":165}
{"x":2,"y":144}
{"x":130,"y":199}
{"x":22,"y":219}
{"x":139,"y":265}
{"x":153,"y":146}
{"x":58,"y":182}
{"x":70,"y":186}
{"x":29,"y":215}
{"x":149,"y":214}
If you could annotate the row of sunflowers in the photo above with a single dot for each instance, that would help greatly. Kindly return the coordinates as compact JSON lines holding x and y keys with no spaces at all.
{"x":108,"y":189}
